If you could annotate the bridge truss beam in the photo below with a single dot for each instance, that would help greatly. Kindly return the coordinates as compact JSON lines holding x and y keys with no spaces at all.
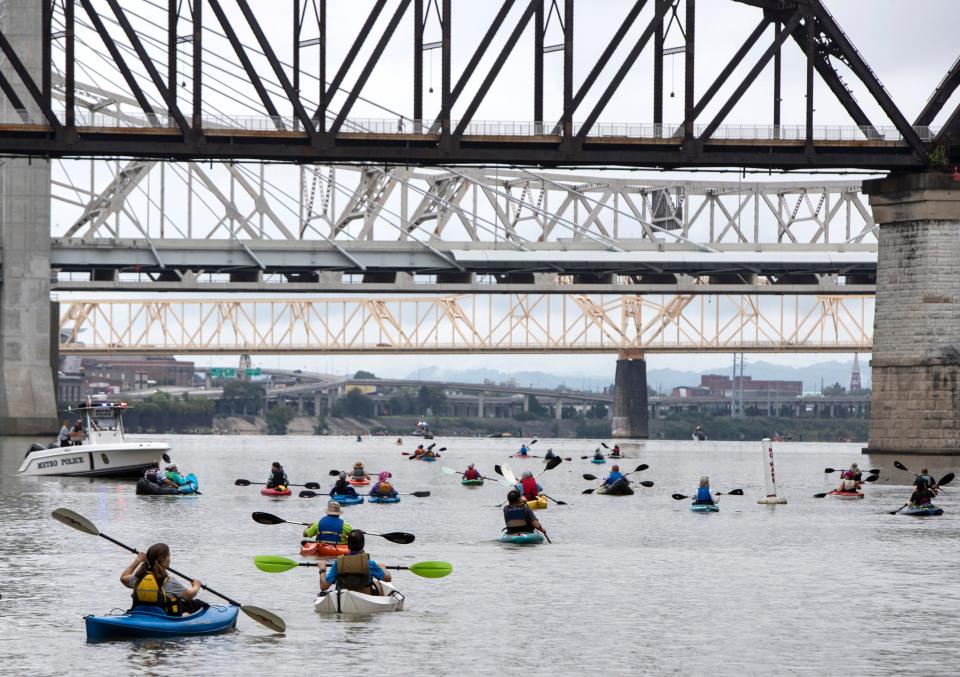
{"x":504,"y":323}
{"x":271,"y":99}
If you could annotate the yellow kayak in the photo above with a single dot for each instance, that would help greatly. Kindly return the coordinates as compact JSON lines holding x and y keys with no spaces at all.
{"x":539,"y":504}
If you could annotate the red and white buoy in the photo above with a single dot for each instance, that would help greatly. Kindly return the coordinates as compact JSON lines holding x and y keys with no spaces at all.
{"x":770,"y":475}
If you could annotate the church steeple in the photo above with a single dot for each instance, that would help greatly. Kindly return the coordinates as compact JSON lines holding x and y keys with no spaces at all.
{"x":855,"y":386}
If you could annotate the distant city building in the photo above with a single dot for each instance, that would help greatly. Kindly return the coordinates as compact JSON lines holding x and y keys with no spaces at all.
{"x":716,"y":385}
{"x":120,"y":373}
{"x":855,"y":386}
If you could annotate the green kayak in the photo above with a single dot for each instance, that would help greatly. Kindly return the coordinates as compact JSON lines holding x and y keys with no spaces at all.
{"x":471,"y":483}
{"x":522,"y":539}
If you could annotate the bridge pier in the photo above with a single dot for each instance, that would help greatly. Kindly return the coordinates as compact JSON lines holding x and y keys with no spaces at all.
{"x":630,"y":415}
{"x":915,"y":406}
{"x":27,"y":395}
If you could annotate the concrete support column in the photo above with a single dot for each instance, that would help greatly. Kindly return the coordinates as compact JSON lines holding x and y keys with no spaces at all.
{"x":480,"y":406}
{"x":526,"y":403}
{"x":916,"y":339}
{"x":630,"y":397}
{"x":27,"y":395}
{"x":558,"y":409}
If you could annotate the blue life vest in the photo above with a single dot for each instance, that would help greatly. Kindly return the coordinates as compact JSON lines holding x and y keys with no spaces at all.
{"x":614,"y":476}
{"x":517,"y":518}
{"x":703,"y":495}
{"x":329,"y":529}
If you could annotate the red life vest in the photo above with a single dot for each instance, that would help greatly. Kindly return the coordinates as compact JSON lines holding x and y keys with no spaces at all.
{"x":471,"y":474}
{"x":529,"y":485}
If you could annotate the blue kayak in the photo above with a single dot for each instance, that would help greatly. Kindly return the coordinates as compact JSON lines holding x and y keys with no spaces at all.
{"x":147,"y":488}
{"x":598,"y":460}
{"x":384,"y":499}
{"x":705,"y":507}
{"x":343,"y":499}
{"x":153,"y":622}
{"x":428,"y":459}
{"x":928,"y":510}
{"x":522,"y":539}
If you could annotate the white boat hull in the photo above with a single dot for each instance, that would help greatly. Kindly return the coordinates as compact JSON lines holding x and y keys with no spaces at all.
{"x":127,"y":459}
{"x":349,"y":602}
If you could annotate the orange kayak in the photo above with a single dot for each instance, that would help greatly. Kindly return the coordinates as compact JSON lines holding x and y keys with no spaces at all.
{"x":314,"y":549}
{"x":358,"y":482}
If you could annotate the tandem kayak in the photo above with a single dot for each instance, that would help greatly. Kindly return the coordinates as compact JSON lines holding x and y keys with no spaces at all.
{"x":598,"y":460}
{"x":147,"y":488}
{"x":846,"y":495}
{"x":314,"y":549}
{"x":153,"y":622}
{"x":344,"y":499}
{"x":531,"y":538}
{"x":384,"y":499}
{"x":619,"y":488}
{"x":921,"y":510}
{"x":539,"y":503}
{"x":704,"y":507}
{"x":268,"y":491}
{"x":350,"y":602}
{"x":471,"y":483}
{"x":358,"y":481}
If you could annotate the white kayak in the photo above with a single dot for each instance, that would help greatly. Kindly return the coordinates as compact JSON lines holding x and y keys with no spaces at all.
{"x":348,"y":602}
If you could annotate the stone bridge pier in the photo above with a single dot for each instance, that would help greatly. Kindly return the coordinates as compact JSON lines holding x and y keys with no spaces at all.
{"x":27,"y":363}
{"x":916,"y":344}
{"x":630,"y":397}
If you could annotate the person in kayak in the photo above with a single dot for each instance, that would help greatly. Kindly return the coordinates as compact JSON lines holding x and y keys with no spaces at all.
{"x":518,"y":516}
{"x":598,"y":454}
{"x":614,"y":477}
{"x":524,"y":450}
{"x":358,"y":472}
{"x":399,"y":441}
{"x":925,"y":481}
{"x":174,"y":476}
{"x":704,"y":496}
{"x":419,"y":451}
{"x":330,"y":528}
{"x":156,"y":476}
{"x":616,"y":450}
{"x":471,"y":473}
{"x":383,"y":487}
{"x":278,"y":477}
{"x":850,"y":480}
{"x":355,"y":571}
{"x":528,"y":486}
{"x":147,"y":576}
{"x":342,"y":487}
{"x":549,"y":454}
{"x":429,"y":453}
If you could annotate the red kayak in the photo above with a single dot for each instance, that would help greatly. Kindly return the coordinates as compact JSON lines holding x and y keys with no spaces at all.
{"x":314,"y":549}
{"x":846,"y":494}
{"x":358,"y":482}
{"x":267,"y":491}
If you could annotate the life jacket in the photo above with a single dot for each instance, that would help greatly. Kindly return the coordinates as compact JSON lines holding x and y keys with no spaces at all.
{"x":329,"y":529}
{"x":148,"y":592}
{"x":277,"y":479}
{"x":614,"y":476}
{"x":924,"y":481}
{"x":385,"y":489}
{"x":703,"y":495}
{"x":471,"y":474}
{"x":359,"y":473}
{"x":517,"y":518}
{"x":154,"y":475}
{"x":342,"y":488}
{"x":353,"y":572}
{"x":529,"y":485}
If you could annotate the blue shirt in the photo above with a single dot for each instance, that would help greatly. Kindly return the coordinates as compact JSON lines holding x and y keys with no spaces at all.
{"x":613,"y":477}
{"x":375,"y":570}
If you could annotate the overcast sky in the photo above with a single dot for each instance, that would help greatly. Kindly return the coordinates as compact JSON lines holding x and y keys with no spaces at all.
{"x":909,"y":43}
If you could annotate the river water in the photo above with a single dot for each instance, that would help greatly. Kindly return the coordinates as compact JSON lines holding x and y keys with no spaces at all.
{"x":630,"y":585}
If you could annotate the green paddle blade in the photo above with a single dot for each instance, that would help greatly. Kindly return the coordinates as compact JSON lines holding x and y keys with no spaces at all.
{"x":432,"y":569}
{"x":448,"y":471}
{"x":274,"y":564}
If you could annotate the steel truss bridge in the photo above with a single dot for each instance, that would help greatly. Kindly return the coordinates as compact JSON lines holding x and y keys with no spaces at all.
{"x":184,"y":64}
{"x":530,"y":323}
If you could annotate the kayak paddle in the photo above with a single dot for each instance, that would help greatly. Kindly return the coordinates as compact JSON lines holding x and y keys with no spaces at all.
{"x":313,"y":494}
{"x":411,"y":457}
{"x":400,"y":537}
{"x":247,"y":483}
{"x":872,"y":471}
{"x":639,"y":468}
{"x":732,"y":492}
{"x":645,"y":483}
{"x":555,"y":500}
{"x":274,"y":564}
{"x":81,"y":523}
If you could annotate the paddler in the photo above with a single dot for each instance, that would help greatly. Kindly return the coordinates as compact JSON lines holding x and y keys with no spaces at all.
{"x":342,"y":487}
{"x":330,"y":528}
{"x":549,"y":454}
{"x":174,"y":476}
{"x":383,"y":488}
{"x":355,"y":571}
{"x":528,"y":486}
{"x":925,"y":480}
{"x":524,"y":450}
{"x":419,"y":451}
{"x":471,"y":473}
{"x":598,"y":454}
{"x":278,"y":477}
{"x":518,"y":516}
{"x":399,"y":441}
{"x":614,"y":477}
{"x":358,"y":472}
{"x":156,"y":476}
{"x":704,"y":496}
{"x":616,"y":450}
{"x":849,"y":480}
{"x":152,"y":586}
